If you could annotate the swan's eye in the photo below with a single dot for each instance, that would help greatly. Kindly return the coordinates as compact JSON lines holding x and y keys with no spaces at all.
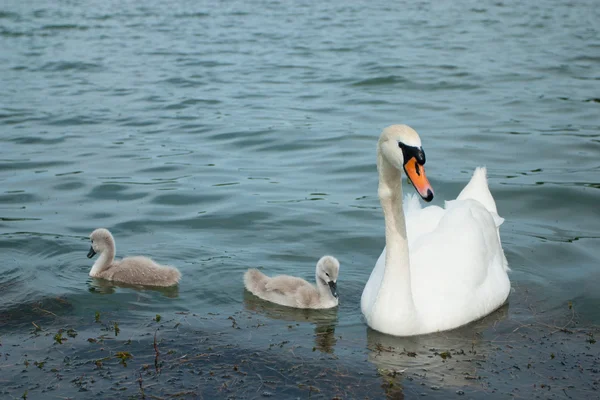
{"x":409,"y":152}
{"x":327,"y":274}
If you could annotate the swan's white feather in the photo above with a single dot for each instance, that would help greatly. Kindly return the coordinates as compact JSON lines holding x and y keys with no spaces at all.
{"x":457,"y":265}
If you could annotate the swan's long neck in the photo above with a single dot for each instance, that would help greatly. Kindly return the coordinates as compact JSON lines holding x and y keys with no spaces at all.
{"x":105,"y":259}
{"x":395,"y":289}
{"x":323,"y":288}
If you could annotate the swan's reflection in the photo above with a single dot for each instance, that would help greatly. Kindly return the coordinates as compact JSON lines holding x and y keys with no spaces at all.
{"x":103,"y":286}
{"x":325,"y":321}
{"x":448,"y":358}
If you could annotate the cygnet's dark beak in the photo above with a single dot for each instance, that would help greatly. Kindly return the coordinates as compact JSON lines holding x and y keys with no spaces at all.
{"x":333,"y":288}
{"x":91,"y":253}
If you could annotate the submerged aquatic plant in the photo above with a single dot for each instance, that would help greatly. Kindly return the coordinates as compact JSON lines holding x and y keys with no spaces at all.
{"x":58,"y":338}
{"x":123,"y":356}
{"x":590,"y":339}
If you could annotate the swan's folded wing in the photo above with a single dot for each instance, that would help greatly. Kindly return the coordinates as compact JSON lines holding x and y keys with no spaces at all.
{"x":478,"y":189}
{"x":284,"y":284}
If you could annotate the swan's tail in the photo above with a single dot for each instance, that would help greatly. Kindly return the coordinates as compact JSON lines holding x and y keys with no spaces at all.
{"x":165,"y":275}
{"x":477,"y":189}
{"x":173,"y":275}
{"x":255,"y":281}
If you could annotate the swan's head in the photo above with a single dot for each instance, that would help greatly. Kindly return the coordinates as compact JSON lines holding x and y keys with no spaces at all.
{"x":400,"y":145}
{"x":101,"y":240}
{"x":328,"y":269}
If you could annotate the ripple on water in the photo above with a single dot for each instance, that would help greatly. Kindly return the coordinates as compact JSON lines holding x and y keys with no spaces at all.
{"x":64,"y":27}
{"x":22,"y":165}
{"x":179,"y":199}
{"x":19,"y":198}
{"x":113,"y":191}
{"x":69,"y":186}
{"x":160,"y":169}
{"x":381,"y":81}
{"x":50,"y":259}
{"x":61,"y":66}
{"x":25,"y":140}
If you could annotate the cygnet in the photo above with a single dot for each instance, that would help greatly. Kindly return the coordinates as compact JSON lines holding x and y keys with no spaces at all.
{"x":296,"y":292}
{"x":132,"y":270}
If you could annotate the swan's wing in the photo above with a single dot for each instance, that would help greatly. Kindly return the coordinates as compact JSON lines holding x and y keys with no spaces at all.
{"x":307,"y":297}
{"x":137,"y":262}
{"x":463,"y":255}
{"x":478,"y":189}
{"x":283,"y":284}
{"x":141,"y":270}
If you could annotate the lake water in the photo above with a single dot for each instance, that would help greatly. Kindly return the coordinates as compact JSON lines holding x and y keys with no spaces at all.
{"x":218,"y":136}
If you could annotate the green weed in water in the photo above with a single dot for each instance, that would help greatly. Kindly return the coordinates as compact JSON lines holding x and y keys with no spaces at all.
{"x":590,"y":339}
{"x":58,"y":338}
{"x":123,"y":356}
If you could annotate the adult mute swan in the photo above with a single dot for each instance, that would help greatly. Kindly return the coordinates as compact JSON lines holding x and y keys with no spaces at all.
{"x":132,"y":270}
{"x":441,"y":267}
{"x":296,"y":292}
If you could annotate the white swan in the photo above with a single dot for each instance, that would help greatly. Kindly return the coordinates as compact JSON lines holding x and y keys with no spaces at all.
{"x":132,"y":270}
{"x":441,"y":267}
{"x":296,"y":292}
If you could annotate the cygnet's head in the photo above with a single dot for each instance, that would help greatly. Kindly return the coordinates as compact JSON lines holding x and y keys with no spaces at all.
{"x":101,"y":240}
{"x":328,"y":269}
{"x":400,"y":145}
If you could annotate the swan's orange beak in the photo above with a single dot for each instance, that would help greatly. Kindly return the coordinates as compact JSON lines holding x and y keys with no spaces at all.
{"x":416,"y":174}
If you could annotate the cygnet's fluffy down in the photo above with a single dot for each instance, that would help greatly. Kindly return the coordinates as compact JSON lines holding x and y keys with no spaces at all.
{"x":296,"y":292}
{"x":132,"y":270}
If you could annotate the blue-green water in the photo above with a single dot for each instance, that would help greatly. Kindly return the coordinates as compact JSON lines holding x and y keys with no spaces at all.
{"x":218,"y":136}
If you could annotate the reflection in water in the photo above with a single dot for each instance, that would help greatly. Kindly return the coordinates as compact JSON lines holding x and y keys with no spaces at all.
{"x":103,"y":286}
{"x":325,"y":320}
{"x":450,"y":358}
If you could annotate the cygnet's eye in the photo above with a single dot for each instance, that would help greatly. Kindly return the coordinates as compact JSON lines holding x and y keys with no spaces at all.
{"x":327,"y":274}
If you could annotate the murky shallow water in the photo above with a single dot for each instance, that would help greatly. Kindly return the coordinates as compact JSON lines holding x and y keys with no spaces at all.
{"x":218,"y":137}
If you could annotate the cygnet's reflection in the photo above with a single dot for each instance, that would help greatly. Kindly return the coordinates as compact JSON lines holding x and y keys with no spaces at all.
{"x":103,"y":286}
{"x":325,"y":321}
{"x":447,"y":358}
